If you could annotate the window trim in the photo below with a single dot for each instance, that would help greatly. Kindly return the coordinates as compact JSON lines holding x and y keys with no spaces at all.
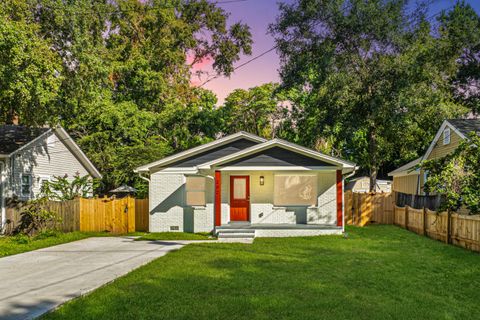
{"x":445,"y":140}
{"x":196,"y":190}
{"x":30,"y":184}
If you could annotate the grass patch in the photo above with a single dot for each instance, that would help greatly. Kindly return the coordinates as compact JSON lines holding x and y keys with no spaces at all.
{"x":378,"y":272}
{"x":21,"y":243}
{"x":10,"y":245}
{"x":175,"y":236}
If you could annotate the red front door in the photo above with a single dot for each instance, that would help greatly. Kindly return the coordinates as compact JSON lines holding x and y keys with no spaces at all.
{"x":239,"y":198}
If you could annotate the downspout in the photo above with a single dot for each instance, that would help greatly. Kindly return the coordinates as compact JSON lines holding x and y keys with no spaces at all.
{"x":343,"y":195}
{"x":2,"y":198}
{"x":144,"y":178}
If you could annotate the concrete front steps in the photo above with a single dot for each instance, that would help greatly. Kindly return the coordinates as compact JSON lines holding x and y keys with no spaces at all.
{"x":235,"y":230}
{"x":237,"y":233}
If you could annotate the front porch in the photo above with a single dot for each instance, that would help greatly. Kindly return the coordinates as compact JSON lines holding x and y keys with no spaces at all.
{"x":278,"y":200}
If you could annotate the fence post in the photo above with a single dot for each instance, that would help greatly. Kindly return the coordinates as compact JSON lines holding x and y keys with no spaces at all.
{"x":449,"y":226}
{"x":406,"y":217}
{"x":424,"y":221}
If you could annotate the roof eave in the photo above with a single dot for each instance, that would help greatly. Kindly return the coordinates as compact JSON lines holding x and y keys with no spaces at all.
{"x":277,"y":142}
{"x":201,"y":148}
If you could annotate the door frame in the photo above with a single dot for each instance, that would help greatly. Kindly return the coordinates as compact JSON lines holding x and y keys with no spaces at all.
{"x":247,"y":178}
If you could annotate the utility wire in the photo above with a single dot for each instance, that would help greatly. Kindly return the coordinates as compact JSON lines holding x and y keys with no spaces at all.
{"x":277,"y":45}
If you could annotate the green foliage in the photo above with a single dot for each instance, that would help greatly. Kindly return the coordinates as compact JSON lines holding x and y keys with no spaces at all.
{"x":374,"y":83}
{"x":116,"y":74}
{"x":457,"y":176}
{"x":256,"y":110}
{"x":62,"y":188}
{"x":36,"y":217}
{"x":30,"y":74}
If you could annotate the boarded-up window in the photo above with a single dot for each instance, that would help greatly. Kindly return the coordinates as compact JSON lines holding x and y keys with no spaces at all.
{"x":195,"y":191}
{"x":291,"y":190}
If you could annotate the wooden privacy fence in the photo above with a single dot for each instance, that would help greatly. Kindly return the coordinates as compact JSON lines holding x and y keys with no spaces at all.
{"x":364,"y":208}
{"x":458,"y":229}
{"x":98,"y":214}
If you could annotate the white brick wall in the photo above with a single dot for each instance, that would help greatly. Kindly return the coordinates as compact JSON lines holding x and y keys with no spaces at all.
{"x":326,"y":211}
{"x":168,"y":208}
{"x":167,"y":204}
{"x":166,"y":196}
{"x":272,"y":233}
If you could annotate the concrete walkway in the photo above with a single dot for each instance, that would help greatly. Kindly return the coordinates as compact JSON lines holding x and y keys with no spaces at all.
{"x":34,"y":282}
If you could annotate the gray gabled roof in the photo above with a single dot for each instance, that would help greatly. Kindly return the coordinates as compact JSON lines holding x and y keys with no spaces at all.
{"x":123,"y":189}
{"x":200,"y":149}
{"x":13,"y":137}
{"x":465,"y":126}
{"x":406,"y":168}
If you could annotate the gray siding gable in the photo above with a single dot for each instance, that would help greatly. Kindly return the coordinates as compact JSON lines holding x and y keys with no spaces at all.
{"x":276,"y":157}
{"x":214,"y":153}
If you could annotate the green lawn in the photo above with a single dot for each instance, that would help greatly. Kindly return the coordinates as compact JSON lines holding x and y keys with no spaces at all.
{"x":175,"y":236}
{"x":379,"y":272}
{"x":22,"y":243}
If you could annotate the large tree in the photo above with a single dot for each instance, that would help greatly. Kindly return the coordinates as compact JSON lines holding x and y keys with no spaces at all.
{"x":257,"y":110}
{"x":374,"y":81}
{"x":124,"y":70}
{"x":30,"y":75}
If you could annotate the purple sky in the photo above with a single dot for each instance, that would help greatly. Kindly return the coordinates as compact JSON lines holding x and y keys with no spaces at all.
{"x":258,"y":14}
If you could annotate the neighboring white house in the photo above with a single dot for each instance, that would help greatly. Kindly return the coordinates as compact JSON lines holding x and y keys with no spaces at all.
{"x":243,"y":185}
{"x":362,"y":185}
{"x":30,"y":156}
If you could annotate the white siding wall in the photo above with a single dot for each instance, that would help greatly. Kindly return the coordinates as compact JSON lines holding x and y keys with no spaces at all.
{"x":167,"y":203}
{"x":46,"y":158}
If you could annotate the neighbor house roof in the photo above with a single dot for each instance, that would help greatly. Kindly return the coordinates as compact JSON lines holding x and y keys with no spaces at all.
{"x":124,"y":189}
{"x":462,"y":127}
{"x":465,"y":126}
{"x":13,"y":137}
{"x":406,"y":168}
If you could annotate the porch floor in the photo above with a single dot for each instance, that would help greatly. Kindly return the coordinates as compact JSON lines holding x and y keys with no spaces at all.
{"x":275,"y":226}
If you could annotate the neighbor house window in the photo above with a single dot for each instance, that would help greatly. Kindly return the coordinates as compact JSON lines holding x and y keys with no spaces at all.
{"x":292,"y":190}
{"x":446,"y":136}
{"x":26,"y":184}
{"x":195,"y":191}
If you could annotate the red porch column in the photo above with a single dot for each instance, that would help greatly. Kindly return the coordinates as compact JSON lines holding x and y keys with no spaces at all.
{"x":339,"y":198}
{"x":218,"y":198}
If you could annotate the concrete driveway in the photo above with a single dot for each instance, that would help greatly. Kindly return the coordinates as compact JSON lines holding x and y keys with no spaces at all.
{"x":34,"y":282}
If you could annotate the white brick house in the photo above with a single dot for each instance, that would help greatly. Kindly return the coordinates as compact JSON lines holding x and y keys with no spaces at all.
{"x":29,"y":156}
{"x":243,"y":183}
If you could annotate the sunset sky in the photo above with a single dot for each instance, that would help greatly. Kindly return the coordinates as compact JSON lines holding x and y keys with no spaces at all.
{"x":258,"y":14}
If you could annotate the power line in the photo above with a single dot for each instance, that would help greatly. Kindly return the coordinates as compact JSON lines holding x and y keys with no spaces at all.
{"x":277,"y":45}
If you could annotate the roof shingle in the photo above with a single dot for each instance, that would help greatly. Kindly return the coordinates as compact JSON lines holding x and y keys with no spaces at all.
{"x":465,"y":126}
{"x":13,"y":137}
